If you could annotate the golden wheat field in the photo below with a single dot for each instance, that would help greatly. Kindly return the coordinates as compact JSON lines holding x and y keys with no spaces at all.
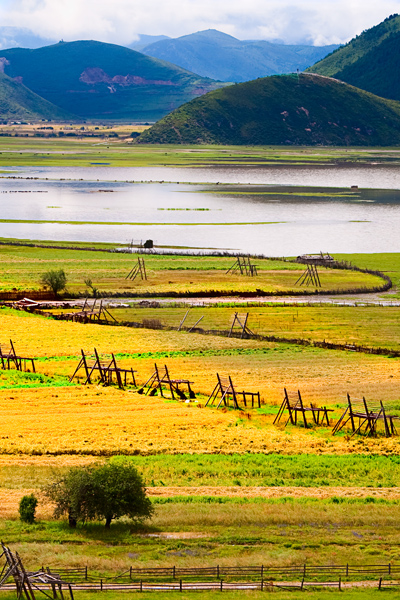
{"x":54,"y":418}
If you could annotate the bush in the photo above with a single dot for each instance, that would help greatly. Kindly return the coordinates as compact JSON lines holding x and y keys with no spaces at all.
{"x":55,"y":280}
{"x":107,"y":492}
{"x":27,"y":508}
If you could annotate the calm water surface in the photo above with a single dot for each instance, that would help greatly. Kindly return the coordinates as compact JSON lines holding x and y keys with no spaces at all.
{"x":178,"y":213}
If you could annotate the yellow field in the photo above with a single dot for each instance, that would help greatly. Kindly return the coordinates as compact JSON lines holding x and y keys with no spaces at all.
{"x":101,"y":421}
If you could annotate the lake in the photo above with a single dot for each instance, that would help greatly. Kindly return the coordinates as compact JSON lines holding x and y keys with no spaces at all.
{"x":266,"y":213}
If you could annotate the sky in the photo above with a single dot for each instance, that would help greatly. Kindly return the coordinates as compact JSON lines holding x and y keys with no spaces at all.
{"x":315,"y":22}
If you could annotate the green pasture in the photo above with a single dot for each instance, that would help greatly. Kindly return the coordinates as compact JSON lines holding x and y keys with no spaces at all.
{"x":19,"y":151}
{"x":371,"y":326}
{"x":241,"y":470}
{"x":276,"y":533}
{"x":21,"y":268}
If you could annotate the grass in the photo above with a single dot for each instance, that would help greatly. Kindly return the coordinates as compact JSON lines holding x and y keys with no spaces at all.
{"x":198,"y":534}
{"x":356,"y":594}
{"x":372,"y":326}
{"x":237,"y":470}
{"x":21,"y":268}
{"x":18,"y":151}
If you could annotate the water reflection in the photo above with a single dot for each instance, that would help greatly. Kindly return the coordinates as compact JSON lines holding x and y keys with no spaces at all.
{"x":196,"y":215}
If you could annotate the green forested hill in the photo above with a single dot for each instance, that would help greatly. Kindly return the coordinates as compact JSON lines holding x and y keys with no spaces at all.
{"x":370,"y":61}
{"x":286,"y":109}
{"x":17,"y":102}
{"x":98,"y":80}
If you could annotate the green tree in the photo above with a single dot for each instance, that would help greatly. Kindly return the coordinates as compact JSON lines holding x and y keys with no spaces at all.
{"x":72,"y":495}
{"x":55,"y":280}
{"x":107,"y":492}
{"x":120,"y":491}
{"x":27,"y":508}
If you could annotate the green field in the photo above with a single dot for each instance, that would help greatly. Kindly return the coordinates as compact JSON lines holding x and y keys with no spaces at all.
{"x":19,"y":151}
{"x":21,"y":268}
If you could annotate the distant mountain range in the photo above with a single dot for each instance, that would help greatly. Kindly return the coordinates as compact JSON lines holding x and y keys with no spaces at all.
{"x":220,"y":56}
{"x":303,"y":109}
{"x":17,"y":102}
{"x":18,"y":37}
{"x":94,"y":80}
{"x":208,"y":53}
{"x":371,"y":61}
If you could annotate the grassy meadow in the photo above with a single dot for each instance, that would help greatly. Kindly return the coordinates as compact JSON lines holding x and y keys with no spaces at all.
{"x":21,"y":268}
{"x":228,"y":488}
{"x":21,"y":151}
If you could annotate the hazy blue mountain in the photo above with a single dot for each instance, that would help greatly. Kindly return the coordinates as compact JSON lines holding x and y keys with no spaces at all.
{"x":16,"y":37}
{"x":145,"y":40}
{"x":103,"y":81}
{"x":220,"y":56}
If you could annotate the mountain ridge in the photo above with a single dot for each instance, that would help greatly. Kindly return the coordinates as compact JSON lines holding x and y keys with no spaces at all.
{"x":369,"y":61}
{"x":305,"y":109}
{"x":17,"y":102}
{"x":97,"y":80}
{"x":215,"y":54}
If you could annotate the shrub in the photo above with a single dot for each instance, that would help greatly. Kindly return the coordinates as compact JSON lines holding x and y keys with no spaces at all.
{"x":55,"y":280}
{"x":27,"y":508}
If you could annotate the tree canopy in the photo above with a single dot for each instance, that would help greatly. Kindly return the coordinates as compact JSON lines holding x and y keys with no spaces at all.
{"x":108,"y":491}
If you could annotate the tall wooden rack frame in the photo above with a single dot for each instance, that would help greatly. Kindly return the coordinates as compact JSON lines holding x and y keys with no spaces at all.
{"x":139,"y":269}
{"x":244,"y":266}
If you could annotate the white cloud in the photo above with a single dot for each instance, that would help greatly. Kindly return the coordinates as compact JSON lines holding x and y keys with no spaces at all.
{"x":119,"y":21}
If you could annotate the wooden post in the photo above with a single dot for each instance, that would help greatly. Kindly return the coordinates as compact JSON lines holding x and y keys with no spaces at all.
{"x":380,"y":583}
{"x":86,"y":573}
{"x":141,"y":586}
{"x":70,"y":591}
{"x":53,"y":585}
{"x":183,"y":320}
{"x":180,"y":585}
{"x":221,"y":585}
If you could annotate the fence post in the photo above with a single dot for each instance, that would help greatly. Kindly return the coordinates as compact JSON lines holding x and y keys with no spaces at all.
{"x":180,"y":585}
{"x":141,"y":586}
{"x":70,"y":591}
{"x":173,"y":572}
{"x":222,"y":582}
{"x":130,"y":573}
{"x":262,"y":585}
{"x":380,"y":583}
{"x":262,"y":571}
{"x":101,"y":585}
{"x":390,"y":568}
{"x":217,"y":571}
{"x":340,"y":583}
{"x":304,"y":571}
{"x":347,"y":570}
{"x":86,"y":573}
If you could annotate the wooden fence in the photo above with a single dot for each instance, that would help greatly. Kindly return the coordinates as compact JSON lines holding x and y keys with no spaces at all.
{"x":260,"y":572}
